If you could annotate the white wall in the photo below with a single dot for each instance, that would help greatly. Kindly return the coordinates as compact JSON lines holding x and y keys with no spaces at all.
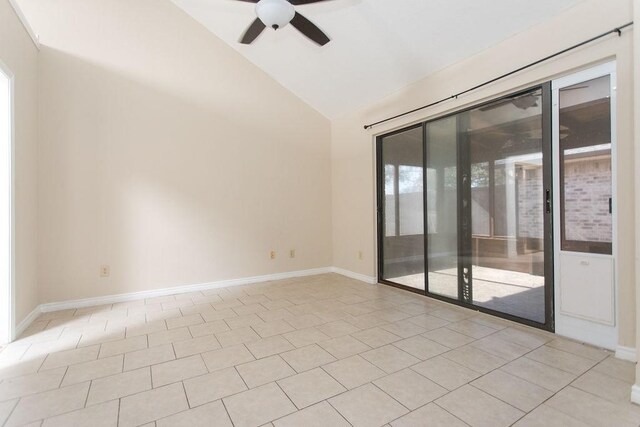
{"x":6,"y":166}
{"x":635,"y":396}
{"x":167,"y":156}
{"x":353,"y":172}
{"x":20,"y":55}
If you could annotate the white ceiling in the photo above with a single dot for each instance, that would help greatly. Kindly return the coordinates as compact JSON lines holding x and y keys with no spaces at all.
{"x":377,"y":47}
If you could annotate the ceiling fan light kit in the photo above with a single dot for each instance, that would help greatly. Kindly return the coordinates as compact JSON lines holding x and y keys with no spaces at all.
{"x":275,"y":13}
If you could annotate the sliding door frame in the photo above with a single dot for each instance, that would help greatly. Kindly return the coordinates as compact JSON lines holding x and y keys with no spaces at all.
{"x":380,"y":206}
{"x":465,"y":279}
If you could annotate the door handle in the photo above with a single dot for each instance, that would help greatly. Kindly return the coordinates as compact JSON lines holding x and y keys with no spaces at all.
{"x":548,"y":200}
{"x":610,"y":205}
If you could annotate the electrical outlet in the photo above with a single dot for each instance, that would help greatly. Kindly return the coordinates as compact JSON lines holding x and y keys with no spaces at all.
{"x":105,"y":270}
{"x":272,"y":254}
{"x":292,"y":253}
{"x":360,"y":257}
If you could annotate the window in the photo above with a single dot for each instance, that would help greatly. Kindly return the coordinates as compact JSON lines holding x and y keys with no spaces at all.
{"x":585,"y":167}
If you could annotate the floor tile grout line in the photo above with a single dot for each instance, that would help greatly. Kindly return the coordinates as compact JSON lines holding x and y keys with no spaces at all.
{"x":119,"y":406}
{"x":63,"y":377}
{"x":568,"y":353}
{"x":12,"y":411}
{"x":452,"y":414}
{"x":227,"y":411}
{"x":477,"y":339}
{"x":498,"y":368}
{"x":86,"y":399}
{"x":186,"y":396}
{"x":347,"y":389}
{"x":387,"y":394}
{"x":571,"y":384}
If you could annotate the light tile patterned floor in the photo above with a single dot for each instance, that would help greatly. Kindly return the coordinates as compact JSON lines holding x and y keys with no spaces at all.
{"x":316,"y":351}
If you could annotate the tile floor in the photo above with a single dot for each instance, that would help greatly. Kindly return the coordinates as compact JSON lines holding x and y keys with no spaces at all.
{"x":316,"y":351}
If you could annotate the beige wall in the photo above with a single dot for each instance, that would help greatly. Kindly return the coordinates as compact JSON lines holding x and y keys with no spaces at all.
{"x":168,"y":156}
{"x":353,"y":168}
{"x":636,"y":54}
{"x":20,"y":55}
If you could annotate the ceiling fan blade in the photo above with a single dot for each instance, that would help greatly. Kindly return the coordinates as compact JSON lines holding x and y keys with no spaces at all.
{"x":301,"y":2}
{"x":309,"y":29}
{"x":497,"y":104}
{"x":573,"y":88}
{"x":253,"y":31}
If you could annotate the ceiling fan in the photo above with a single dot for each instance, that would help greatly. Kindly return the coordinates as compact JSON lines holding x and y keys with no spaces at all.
{"x":523,"y":102}
{"x":277,"y":14}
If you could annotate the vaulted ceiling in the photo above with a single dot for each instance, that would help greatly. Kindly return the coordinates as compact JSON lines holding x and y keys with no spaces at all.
{"x":378,"y":46}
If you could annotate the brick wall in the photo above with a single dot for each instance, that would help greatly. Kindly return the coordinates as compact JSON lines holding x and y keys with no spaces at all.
{"x":587,"y":193}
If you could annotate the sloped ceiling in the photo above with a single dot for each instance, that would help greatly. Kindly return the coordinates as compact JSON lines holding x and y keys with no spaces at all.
{"x":377,"y":47}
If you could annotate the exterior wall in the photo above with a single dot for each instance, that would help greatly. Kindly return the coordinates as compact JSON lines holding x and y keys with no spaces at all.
{"x":587,"y":193}
{"x":530,"y":204}
{"x":353,"y":171}
{"x":167,"y":156}
{"x":20,"y":55}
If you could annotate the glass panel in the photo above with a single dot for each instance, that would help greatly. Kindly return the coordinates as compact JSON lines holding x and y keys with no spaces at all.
{"x":442,"y":207}
{"x":504,"y":183}
{"x":481,"y":209}
{"x":410,"y":187}
{"x":585,"y":167}
{"x":507,"y":209}
{"x":389,"y":200}
{"x":403,"y":244}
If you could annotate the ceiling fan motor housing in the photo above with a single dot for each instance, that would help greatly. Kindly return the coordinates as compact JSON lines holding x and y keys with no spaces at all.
{"x":275,"y":13}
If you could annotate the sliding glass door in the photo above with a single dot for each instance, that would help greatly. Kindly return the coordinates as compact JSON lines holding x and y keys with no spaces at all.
{"x":507,"y":195}
{"x":485,"y":201}
{"x":401,"y":198}
{"x":442,"y":206}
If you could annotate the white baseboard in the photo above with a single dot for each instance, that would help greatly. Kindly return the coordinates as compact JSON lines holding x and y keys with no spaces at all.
{"x":112,"y":299}
{"x":635,"y":394}
{"x":26,"y":322}
{"x":626,"y":353}
{"x":587,"y":332}
{"x":357,"y":276}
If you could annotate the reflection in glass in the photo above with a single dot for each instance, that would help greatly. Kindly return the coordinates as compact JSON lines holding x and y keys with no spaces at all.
{"x":484,"y":193}
{"x":403,"y":244}
{"x":442,"y":207}
{"x":390,"y":200}
{"x":585,"y":167}
{"x":480,"y":211}
{"x":507,"y":210}
{"x":410,"y":186}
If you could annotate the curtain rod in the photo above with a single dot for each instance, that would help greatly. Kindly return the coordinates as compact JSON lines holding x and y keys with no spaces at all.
{"x":617,"y":30}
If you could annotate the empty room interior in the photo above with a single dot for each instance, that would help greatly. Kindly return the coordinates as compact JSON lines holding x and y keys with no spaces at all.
{"x":319,"y":213}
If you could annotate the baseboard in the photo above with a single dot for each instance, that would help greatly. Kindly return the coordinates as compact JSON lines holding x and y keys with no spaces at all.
{"x":626,"y":353}
{"x":353,"y":275}
{"x":587,"y":332}
{"x":26,"y":322}
{"x":635,"y":394}
{"x":112,"y":299}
